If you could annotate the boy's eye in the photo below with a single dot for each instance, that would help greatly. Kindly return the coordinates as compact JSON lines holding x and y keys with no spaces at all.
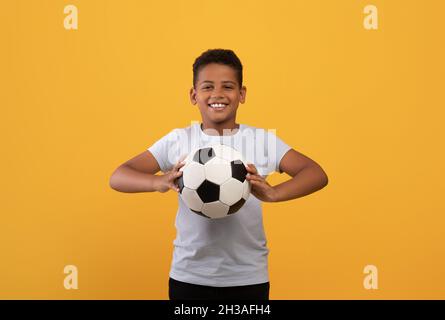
{"x":224,"y":87}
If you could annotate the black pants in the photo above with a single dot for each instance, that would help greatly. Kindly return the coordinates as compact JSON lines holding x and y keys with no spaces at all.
{"x":178,"y":290}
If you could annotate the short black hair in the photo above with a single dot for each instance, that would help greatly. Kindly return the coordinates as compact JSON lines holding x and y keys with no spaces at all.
{"x":221,"y":56}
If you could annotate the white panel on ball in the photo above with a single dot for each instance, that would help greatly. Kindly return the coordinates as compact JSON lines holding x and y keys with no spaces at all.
{"x":215,"y":209}
{"x":227,"y":153}
{"x":191,"y":199}
{"x":246,"y":189}
{"x":231,"y":191}
{"x":218,"y":170}
{"x":193,"y":175}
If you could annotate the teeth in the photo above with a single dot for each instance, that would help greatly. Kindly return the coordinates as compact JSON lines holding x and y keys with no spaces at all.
{"x":217,"y":105}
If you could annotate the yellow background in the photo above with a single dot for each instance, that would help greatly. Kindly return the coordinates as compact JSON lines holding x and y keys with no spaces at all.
{"x":368,"y":106}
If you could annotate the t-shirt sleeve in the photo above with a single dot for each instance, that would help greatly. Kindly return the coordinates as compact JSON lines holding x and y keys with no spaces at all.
{"x":165,"y":151}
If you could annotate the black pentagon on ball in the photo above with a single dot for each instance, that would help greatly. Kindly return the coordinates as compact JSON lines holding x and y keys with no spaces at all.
{"x":204,"y":155}
{"x":200,"y":213}
{"x":208,"y":191}
{"x":235,"y":207}
{"x":180,"y":182}
{"x":239,"y":171}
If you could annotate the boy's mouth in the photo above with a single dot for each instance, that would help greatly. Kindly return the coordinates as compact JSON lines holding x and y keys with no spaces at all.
{"x":217,"y":106}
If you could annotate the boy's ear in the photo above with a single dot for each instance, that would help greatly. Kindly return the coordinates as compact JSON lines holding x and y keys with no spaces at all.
{"x":193,"y":96}
{"x":243,"y":92}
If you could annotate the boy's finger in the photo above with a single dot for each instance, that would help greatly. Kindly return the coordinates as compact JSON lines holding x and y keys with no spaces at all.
{"x":251,"y":177}
{"x":174,"y":175}
{"x":255,"y":183}
{"x":181,"y":164}
{"x":251,"y":168}
{"x":178,"y":165}
{"x":174,"y":187}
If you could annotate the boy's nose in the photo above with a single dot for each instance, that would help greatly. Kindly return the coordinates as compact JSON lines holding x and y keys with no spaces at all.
{"x":217,"y":96}
{"x":217,"y":93}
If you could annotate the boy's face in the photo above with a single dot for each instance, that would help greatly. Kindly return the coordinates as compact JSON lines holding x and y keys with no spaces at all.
{"x":217,"y":83}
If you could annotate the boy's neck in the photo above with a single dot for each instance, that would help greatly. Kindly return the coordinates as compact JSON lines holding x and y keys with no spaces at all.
{"x":215,"y":128}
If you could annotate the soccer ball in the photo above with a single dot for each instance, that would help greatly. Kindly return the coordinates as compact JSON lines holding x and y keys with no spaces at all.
{"x":213,"y":182}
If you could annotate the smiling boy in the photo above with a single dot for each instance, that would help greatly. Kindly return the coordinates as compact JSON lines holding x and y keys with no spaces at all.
{"x":221,"y":258}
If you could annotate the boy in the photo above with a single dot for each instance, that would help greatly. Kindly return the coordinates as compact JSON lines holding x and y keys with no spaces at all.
{"x":221,"y":258}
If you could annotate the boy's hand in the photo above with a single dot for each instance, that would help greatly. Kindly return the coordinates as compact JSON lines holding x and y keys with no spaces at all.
{"x":260,"y":187}
{"x":167,"y":180}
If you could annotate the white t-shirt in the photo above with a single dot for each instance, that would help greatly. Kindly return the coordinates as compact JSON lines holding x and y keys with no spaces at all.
{"x":230,"y":251}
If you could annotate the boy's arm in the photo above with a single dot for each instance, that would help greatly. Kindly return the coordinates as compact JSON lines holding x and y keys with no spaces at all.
{"x":307,"y":177}
{"x":139,"y":175}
